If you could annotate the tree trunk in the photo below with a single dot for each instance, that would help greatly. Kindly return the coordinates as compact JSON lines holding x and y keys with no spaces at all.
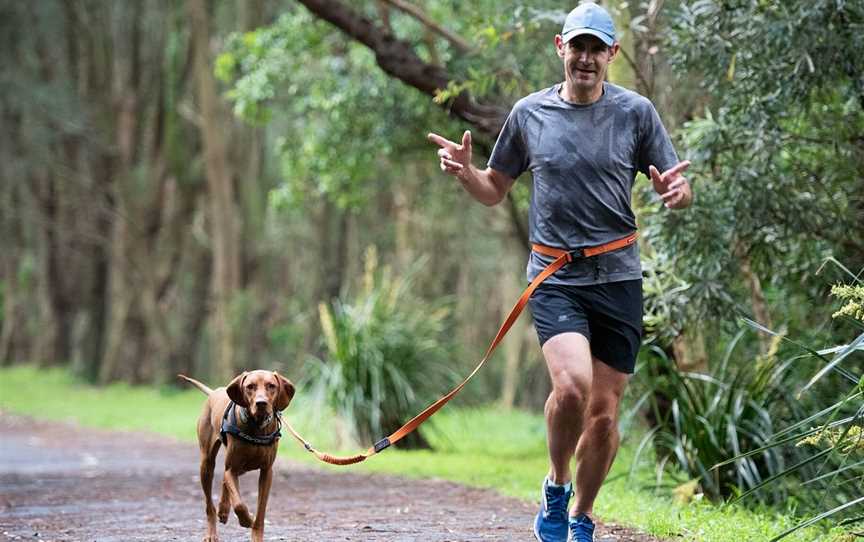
{"x":224,"y":224}
{"x":513,"y":343}
{"x":757,"y":298}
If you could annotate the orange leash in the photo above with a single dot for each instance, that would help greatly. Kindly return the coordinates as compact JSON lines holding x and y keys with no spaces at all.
{"x":562,"y":257}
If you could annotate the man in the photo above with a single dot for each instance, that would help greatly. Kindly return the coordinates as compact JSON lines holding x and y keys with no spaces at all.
{"x":583,"y":140}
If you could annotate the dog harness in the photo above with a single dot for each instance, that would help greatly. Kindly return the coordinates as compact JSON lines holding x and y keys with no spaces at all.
{"x":562,"y":258}
{"x":230,"y":427}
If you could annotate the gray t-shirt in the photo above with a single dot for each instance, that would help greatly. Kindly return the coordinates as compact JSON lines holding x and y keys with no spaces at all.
{"x":584,"y":159}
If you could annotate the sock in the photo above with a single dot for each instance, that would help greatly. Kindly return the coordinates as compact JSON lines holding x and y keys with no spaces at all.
{"x":567,"y":487}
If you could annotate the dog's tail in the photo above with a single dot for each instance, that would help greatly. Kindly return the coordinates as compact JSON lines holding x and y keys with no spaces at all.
{"x":200,"y":386}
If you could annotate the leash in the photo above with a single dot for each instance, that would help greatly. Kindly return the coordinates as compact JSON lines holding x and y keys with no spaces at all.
{"x":562,"y":258}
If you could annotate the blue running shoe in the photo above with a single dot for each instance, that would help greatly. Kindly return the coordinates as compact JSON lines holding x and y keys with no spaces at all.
{"x":550,"y":525}
{"x":581,"y":529}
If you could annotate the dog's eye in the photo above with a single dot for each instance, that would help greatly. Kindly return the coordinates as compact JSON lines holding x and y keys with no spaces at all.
{"x":271,"y":386}
{"x":250,"y":387}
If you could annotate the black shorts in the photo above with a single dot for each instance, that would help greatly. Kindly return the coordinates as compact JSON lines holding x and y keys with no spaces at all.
{"x":608,"y":315}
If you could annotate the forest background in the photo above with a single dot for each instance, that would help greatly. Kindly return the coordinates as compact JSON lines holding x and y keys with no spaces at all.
{"x":205,"y":187}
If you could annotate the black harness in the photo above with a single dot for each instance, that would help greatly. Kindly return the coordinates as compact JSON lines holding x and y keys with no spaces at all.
{"x":229,"y":426}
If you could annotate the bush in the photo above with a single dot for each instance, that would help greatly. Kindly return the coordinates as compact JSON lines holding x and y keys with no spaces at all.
{"x":705,"y":419}
{"x":387,"y":355}
{"x":743,"y":431}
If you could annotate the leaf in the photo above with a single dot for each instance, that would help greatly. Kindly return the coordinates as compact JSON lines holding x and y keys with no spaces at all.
{"x":818,"y":518}
{"x":857,"y":344}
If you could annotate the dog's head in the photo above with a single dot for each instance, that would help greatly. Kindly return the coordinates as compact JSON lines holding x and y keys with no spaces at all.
{"x":261,"y":392}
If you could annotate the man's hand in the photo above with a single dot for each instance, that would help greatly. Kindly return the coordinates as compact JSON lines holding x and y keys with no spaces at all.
{"x":455,"y":158}
{"x":672,"y":186}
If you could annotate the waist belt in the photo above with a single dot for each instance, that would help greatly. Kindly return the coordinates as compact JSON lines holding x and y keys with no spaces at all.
{"x":586,"y":252}
{"x":562,"y":258}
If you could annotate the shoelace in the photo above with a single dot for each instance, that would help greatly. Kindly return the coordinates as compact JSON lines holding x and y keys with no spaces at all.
{"x":556,"y":505}
{"x":582,"y":530}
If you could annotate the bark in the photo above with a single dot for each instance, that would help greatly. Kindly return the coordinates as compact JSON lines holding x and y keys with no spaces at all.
{"x":512,"y":343}
{"x":690,"y":353}
{"x":12,"y":325}
{"x":403,"y":202}
{"x":11,"y":237}
{"x":224,"y":224}
{"x":757,"y":297}
{"x":183,"y":356}
{"x":645,"y":47}
{"x":54,"y":344}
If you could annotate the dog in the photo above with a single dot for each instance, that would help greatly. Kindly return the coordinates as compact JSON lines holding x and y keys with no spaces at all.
{"x":245,"y":417}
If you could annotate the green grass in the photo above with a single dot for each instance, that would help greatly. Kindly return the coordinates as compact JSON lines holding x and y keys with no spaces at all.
{"x":505,"y":451}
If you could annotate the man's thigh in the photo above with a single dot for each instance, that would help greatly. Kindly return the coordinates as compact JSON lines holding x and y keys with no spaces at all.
{"x":608,"y":316}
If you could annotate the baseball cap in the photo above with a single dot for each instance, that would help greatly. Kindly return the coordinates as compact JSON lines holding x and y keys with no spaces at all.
{"x":589,"y":18}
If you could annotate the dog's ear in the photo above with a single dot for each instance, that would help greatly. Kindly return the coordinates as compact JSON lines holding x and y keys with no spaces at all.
{"x":235,"y":390}
{"x":286,"y":392}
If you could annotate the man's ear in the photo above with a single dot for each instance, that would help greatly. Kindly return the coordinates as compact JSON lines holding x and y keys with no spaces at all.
{"x":286,"y":392}
{"x":235,"y":390}
{"x":613,"y":51}
{"x":559,"y":45}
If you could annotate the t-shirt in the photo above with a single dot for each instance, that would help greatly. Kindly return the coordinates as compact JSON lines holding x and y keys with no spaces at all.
{"x":583,"y":159}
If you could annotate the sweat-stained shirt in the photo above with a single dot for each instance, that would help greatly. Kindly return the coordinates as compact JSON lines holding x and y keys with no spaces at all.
{"x":584,"y":160}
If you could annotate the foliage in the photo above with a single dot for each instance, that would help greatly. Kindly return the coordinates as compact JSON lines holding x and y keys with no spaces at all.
{"x":854,"y":298}
{"x":387,"y":355}
{"x":713,"y":417}
{"x":778,"y":151}
{"x":342,"y":124}
{"x":838,"y":438}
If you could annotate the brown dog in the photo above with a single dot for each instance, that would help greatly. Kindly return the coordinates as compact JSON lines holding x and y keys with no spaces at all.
{"x":245,"y":417}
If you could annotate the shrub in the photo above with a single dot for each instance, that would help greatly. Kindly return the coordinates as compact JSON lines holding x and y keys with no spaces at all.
{"x":387,"y":355}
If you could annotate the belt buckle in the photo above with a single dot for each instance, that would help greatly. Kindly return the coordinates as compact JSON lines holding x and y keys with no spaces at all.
{"x":576,"y":253}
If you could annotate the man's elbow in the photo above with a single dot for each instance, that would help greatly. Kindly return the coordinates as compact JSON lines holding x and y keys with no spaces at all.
{"x":494,"y":198}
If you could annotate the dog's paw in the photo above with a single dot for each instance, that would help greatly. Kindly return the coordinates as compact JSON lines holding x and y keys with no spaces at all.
{"x":243,"y":515}
{"x":210,"y":538}
{"x":222,"y":514}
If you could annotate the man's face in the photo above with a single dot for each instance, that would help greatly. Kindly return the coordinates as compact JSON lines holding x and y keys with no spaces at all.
{"x":586,"y":60}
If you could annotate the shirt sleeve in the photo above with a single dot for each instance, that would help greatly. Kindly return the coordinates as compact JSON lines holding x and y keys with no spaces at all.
{"x":510,"y":156}
{"x":655,"y":146}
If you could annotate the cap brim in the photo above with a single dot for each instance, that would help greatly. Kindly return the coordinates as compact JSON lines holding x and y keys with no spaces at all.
{"x":605,"y":38}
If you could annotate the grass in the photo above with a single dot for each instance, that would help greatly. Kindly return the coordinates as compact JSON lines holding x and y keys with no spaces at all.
{"x":478,"y":447}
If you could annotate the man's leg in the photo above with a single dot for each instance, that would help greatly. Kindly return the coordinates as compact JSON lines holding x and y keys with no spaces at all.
{"x":568,"y":358}
{"x":598,"y":442}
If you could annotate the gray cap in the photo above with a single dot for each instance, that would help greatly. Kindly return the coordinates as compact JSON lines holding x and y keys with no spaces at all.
{"x":591,"y":19}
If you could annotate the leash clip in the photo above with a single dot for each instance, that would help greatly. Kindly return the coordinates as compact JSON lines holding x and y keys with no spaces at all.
{"x":382,"y":444}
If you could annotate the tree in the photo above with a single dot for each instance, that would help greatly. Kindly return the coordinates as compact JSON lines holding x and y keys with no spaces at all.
{"x":778,"y":152}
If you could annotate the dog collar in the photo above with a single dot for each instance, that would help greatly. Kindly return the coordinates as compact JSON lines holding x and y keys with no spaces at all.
{"x":230,"y":427}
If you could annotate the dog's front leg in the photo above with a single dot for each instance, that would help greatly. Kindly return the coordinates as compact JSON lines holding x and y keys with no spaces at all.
{"x":265,"y":479}
{"x":208,"y":464}
{"x":231,"y":485}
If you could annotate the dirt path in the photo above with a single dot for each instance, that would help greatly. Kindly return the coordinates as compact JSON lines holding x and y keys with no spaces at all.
{"x":65,"y":483}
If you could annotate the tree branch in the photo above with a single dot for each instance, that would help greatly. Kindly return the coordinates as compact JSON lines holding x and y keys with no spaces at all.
{"x":418,"y":14}
{"x":398,"y":59}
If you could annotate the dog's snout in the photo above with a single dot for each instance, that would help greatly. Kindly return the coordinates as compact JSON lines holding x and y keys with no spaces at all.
{"x":261,"y":402}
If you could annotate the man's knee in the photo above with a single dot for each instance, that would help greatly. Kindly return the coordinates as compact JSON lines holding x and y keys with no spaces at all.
{"x":572,"y":391}
{"x":603,"y":423}
{"x":602,"y":416}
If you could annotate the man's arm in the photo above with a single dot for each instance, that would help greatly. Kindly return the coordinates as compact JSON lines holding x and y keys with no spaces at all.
{"x":488,"y":186}
{"x":673,"y":186}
